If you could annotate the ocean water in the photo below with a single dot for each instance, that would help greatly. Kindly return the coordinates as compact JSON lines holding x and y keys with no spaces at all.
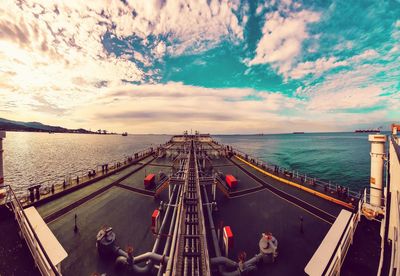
{"x":342,"y":158}
{"x":32,"y":158}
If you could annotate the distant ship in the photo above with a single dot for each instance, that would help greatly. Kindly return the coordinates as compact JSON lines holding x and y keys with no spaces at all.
{"x":368,"y":130}
{"x":124,"y":133}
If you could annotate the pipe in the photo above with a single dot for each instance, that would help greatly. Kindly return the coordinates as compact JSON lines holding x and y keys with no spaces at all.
{"x":157,"y":242}
{"x":176,"y":230}
{"x":221,"y":267}
{"x":171,"y":229}
{"x":224,"y":261}
{"x":124,"y":259}
{"x":253,"y":261}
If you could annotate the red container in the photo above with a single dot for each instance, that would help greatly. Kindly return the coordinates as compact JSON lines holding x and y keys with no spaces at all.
{"x":231,"y":181}
{"x":149,"y":180}
{"x":155,"y":221}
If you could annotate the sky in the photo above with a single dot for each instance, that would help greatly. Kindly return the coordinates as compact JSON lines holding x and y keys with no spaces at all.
{"x":163,"y":66}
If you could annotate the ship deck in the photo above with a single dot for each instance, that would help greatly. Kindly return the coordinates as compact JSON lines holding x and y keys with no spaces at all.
{"x":259,"y":204}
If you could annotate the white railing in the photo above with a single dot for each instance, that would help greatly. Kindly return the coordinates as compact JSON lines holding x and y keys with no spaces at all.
{"x":39,"y":254}
{"x":295,"y":174}
{"x":344,"y":245}
{"x":395,"y":258}
{"x":394,"y":218}
{"x":57,"y":184}
{"x":331,"y":264}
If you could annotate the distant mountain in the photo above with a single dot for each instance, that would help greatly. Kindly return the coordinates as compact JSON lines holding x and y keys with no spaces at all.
{"x":10,"y":125}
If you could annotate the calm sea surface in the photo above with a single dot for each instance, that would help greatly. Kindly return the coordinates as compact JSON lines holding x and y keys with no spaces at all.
{"x":36,"y":157}
{"x":342,"y":158}
{"x":32,"y":158}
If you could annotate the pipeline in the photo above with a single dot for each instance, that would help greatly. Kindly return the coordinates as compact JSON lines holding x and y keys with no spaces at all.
{"x":222,"y":262}
{"x":171,"y":229}
{"x":225,"y":263}
{"x":127,"y":260}
{"x":106,"y":247}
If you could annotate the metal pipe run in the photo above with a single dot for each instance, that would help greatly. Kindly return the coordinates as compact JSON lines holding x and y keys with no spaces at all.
{"x":106,"y":246}
{"x":171,"y":229}
{"x":126,"y":260}
{"x":221,"y":262}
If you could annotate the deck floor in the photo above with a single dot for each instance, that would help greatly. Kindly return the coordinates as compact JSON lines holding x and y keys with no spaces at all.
{"x":129,"y":213}
{"x":251,"y":215}
{"x":15,"y":257}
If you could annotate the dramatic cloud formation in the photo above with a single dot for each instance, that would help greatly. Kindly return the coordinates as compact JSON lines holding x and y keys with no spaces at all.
{"x":282,"y":39}
{"x":219,"y":66}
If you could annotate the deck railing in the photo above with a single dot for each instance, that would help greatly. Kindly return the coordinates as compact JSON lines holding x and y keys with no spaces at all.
{"x":394,"y":223}
{"x":56,"y":184}
{"x":302,"y":178}
{"x":339,"y":255}
{"x":39,"y":254}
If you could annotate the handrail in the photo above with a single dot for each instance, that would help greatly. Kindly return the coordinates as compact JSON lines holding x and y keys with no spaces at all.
{"x":336,"y":259}
{"x":296,"y":174}
{"x":83,"y":173}
{"x":345,"y":239}
{"x":396,"y":147}
{"x":19,"y":211}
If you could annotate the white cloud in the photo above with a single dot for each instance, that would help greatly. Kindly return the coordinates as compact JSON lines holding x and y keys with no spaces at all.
{"x":315,"y":67}
{"x":321,"y":65}
{"x":186,"y":24}
{"x":282,"y":38}
{"x":367,"y":54}
{"x":351,"y":98}
{"x":160,"y":108}
{"x":53,"y":50}
{"x":345,"y":92}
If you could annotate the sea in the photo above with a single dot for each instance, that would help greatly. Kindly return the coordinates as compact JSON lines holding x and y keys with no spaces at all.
{"x":43,"y":158}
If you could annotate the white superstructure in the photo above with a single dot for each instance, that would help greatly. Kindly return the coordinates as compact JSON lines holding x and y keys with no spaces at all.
{"x":377,"y":163}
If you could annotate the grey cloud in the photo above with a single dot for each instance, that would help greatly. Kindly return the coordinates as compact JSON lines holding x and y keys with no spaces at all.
{"x":165,"y":116}
{"x":14,"y":32}
{"x":44,"y":106}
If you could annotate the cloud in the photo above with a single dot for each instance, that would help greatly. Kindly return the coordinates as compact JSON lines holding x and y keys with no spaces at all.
{"x":321,"y":65}
{"x":169,"y":107}
{"x":315,"y":67}
{"x":366,"y":55}
{"x":347,"y":99}
{"x":98,"y":64}
{"x":186,"y":25}
{"x":282,"y":38}
{"x":64,"y":40}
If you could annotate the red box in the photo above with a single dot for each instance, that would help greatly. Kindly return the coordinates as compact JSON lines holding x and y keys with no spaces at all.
{"x":231,"y":181}
{"x":228,"y":239}
{"x":149,"y":180}
{"x":154,"y":218}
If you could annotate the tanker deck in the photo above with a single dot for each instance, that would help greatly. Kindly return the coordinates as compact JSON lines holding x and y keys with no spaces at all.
{"x":188,"y":221}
